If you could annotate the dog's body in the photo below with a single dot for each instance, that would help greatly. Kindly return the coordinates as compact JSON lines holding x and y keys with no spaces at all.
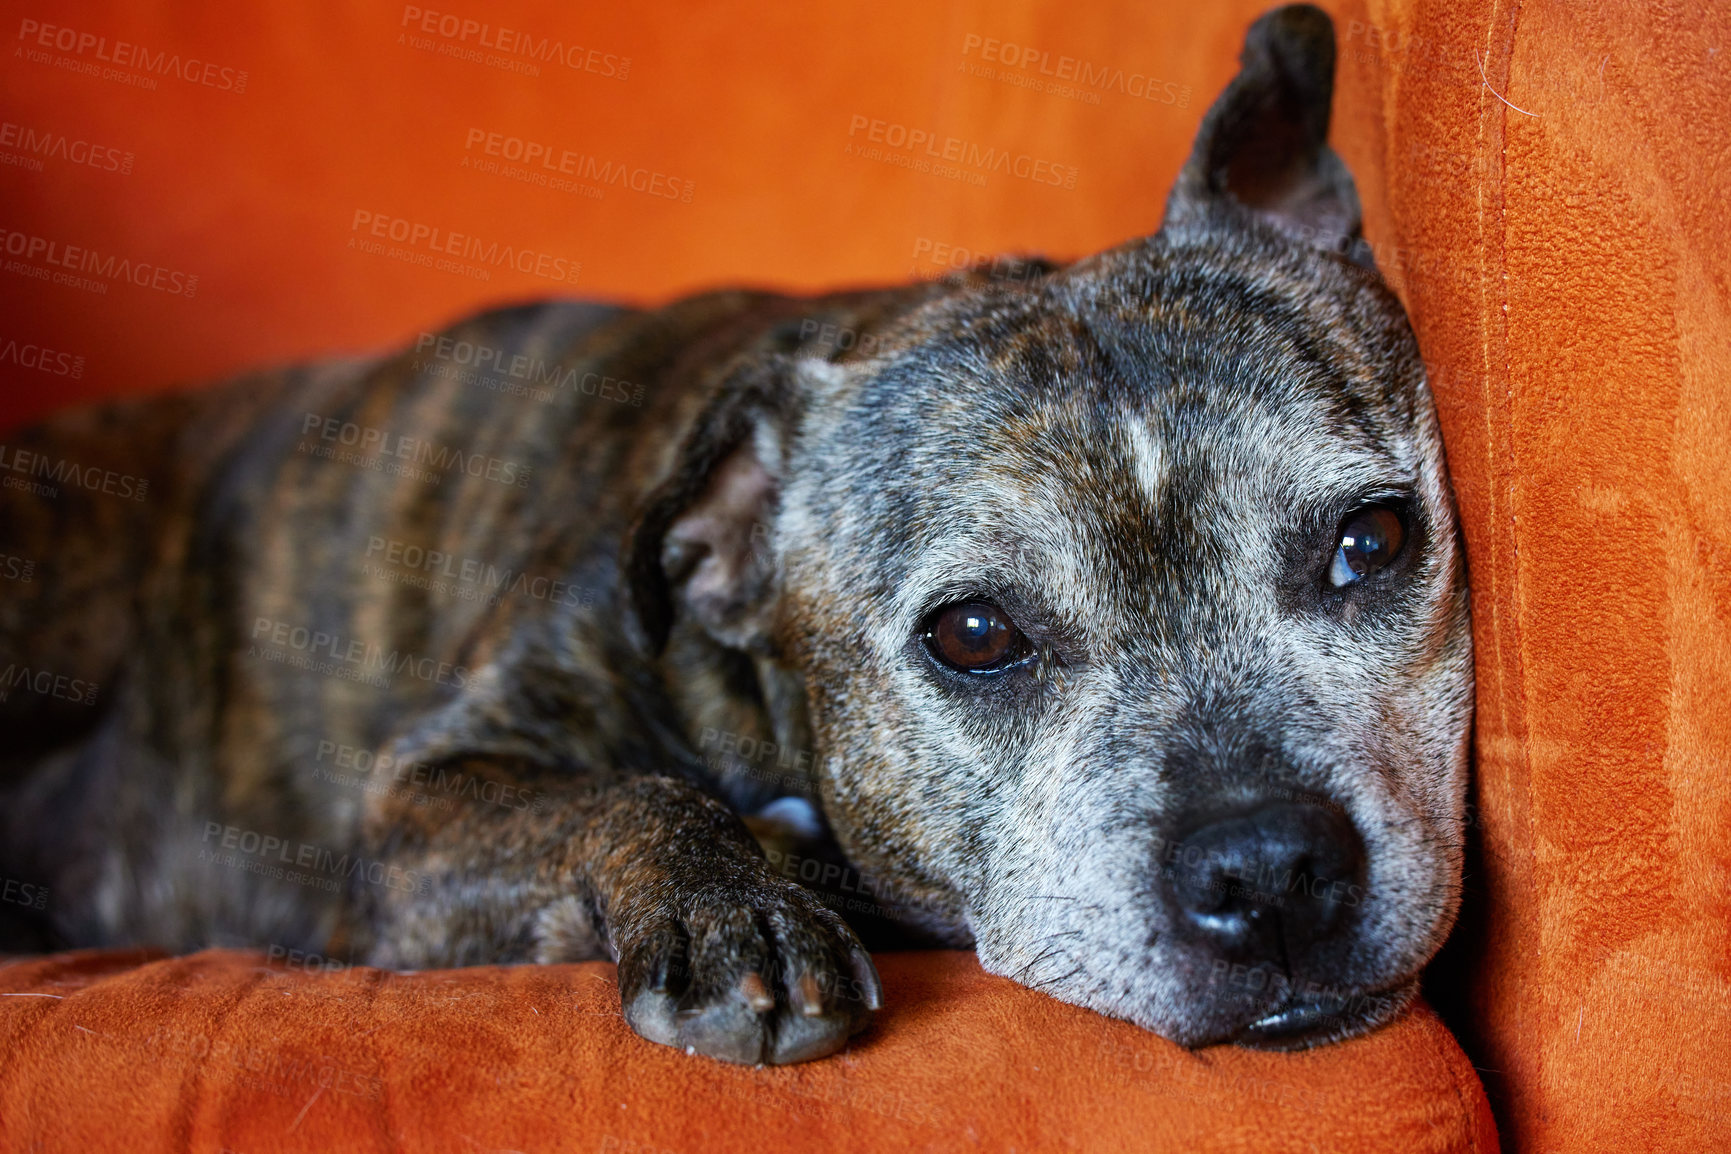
{"x":392,"y":667}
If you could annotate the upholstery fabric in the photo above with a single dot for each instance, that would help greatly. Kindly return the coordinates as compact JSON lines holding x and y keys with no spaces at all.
{"x":1545,"y":184}
{"x":1561,"y":245}
{"x":219,"y":1051}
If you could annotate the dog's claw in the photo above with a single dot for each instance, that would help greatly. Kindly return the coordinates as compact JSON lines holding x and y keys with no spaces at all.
{"x":867,"y":974}
{"x":808,"y":995}
{"x":756,"y":994}
{"x":654,"y":976}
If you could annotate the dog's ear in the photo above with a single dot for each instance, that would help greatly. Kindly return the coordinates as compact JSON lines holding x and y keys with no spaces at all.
{"x":1263,"y":146}
{"x":702,"y":543}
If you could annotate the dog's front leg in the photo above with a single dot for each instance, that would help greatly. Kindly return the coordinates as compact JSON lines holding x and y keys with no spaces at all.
{"x":716,"y":952}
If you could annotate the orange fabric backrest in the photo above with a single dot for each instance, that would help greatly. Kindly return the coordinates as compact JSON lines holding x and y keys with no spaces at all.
{"x":343,"y":178}
{"x":1554,"y":203}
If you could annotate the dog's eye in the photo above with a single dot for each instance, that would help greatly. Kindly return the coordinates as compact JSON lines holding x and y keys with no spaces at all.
{"x":1369,"y":540}
{"x":975,"y":636}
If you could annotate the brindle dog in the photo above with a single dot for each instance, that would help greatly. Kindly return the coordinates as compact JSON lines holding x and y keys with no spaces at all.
{"x":1113,"y":621}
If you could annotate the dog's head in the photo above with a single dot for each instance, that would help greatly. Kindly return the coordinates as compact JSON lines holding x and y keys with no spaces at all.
{"x":1129,"y":603}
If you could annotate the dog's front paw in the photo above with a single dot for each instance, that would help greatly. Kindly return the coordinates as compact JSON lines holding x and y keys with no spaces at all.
{"x":747,"y":972}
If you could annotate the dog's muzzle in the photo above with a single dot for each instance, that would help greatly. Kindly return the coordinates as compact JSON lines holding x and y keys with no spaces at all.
{"x":1271,"y":892}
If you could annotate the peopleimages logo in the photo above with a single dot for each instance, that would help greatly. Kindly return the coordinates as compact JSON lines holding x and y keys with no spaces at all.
{"x":369,"y":772}
{"x":487,"y":360}
{"x":916,"y":147}
{"x":425,"y":243}
{"x":24,"y":894}
{"x":375,"y":445}
{"x":1258,"y":881}
{"x":558,"y":161}
{"x":92,"y":478}
{"x":41,"y":358}
{"x":954,"y":260}
{"x":79,"y":259}
{"x":275,"y":852}
{"x":37,"y":145}
{"x":502,"y":47}
{"x":124,"y":54}
{"x":467,"y":578}
{"x":1064,"y":70}
{"x":349,"y":658}
{"x":46,"y":683}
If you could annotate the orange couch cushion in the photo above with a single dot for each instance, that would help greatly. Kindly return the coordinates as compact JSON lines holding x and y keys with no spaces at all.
{"x":106,"y":1051}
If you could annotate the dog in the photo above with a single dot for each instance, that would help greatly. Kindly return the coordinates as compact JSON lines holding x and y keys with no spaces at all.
{"x":1110,"y":620}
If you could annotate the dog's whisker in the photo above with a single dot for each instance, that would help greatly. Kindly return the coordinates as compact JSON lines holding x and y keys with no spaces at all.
{"x":1049,"y":983}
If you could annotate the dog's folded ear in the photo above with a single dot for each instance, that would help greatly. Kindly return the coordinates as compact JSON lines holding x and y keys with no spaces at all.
{"x":701,"y":544}
{"x":1263,"y":146}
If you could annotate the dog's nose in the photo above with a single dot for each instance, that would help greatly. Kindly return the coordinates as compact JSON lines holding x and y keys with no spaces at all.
{"x":1268,"y":885}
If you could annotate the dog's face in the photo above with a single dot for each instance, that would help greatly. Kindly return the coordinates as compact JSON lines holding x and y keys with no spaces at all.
{"x":1140,"y":626}
{"x":1130,"y":604}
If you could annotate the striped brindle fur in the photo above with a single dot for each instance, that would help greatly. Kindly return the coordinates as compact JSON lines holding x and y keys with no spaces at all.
{"x":502,"y":648}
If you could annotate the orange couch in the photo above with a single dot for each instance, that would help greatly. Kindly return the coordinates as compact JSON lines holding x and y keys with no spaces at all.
{"x":1546,"y":187}
{"x":219,"y":1051}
